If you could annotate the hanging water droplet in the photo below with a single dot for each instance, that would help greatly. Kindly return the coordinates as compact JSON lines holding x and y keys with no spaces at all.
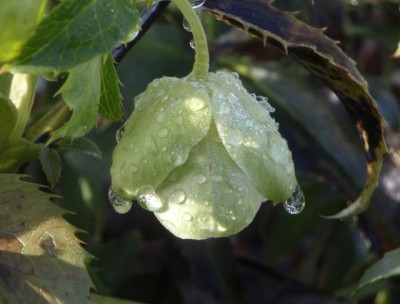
{"x":296,"y":203}
{"x":119,"y":204}
{"x":177,"y":197}
{"x":150,"y":199}
{"x":119,"y":133}
{"x":192,"y":45}
{"x":197,"y":3}
{"x":186,"y":25}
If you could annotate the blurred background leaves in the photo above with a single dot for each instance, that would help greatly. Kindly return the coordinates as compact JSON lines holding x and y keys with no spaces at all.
{"x":279,"y":258}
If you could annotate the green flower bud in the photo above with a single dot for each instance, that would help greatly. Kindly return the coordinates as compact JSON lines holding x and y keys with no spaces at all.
{"x":202,"y":154}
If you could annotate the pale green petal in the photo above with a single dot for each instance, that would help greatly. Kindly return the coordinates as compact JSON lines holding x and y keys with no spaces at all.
{"x":171,"y":117}
{"x":210,"y":196}
{"x":251,"y":137}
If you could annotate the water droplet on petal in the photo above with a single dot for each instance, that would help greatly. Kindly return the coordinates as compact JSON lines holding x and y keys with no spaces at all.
{"x":216,"y":178}
{"x":296,"y":203}
{"x":186,"y":25}
{"x":133,"y":168}
{"x":119,"y":133}
{"x":163,"y":132}
{"x":197,"y":3}
{"x":201,"y":179}
{"x":177,"y":197}
{"x":191,"y":43}
{"x":150,"y":199}
{"x":187,"y":217}
{"x":119,"y":204}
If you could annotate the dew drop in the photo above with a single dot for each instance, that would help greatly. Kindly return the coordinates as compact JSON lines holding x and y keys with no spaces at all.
{"x":216,"y":178}
{"x":150,"y":199}
{"x":197,"y":3}
{"x":191,"y":43}
{"x":163,"y":132}
{"x":201,"y":179}
{"x":133,"y":168}
{"x":296,"y":203}
{"x":119,"y":204}
{"x":187,"y":217}
{"x":186,"y":25}
{"x":225,"y":108}
{"x":119,"y":133}
{"x":177,"y":197}
{"x":263,"y":101}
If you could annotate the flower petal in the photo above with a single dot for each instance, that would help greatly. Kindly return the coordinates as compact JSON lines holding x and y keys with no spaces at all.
{"x":251,"y":137}
{"x":210,"y":196}
{"x":171,"y":117}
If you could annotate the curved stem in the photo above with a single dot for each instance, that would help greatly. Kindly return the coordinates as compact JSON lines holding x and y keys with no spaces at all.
{"x":50,"y":121}
{"x":201,"y":62}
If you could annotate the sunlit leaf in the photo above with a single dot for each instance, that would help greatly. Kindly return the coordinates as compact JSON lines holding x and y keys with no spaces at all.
{"x":40,"y":257}
{"x":77,"y":31}
{"x":17,"y":23}
{"x":81,"y":92}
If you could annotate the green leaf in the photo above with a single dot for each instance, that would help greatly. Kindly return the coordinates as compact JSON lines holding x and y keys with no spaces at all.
{"x":77,"y":31}
{"x":5,"y":83}
{"x":8,"y":118}
{"x":80,"y":145}
{"x":81,"y":92}
{"x":40,"y":257}
{"x":170,"y":117}
{"x":385,"y":268}
{"x":51,"y":164}
{"x":110,"y":100}
{"x":324,"y":58}
{"x":17,"y":23}
{"x":209,"y":196}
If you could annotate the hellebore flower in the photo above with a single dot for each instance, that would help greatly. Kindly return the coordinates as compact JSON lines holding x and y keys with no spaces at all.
{"x":202,"y":154}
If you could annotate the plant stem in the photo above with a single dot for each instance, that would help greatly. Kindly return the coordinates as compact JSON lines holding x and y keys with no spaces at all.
{"x":22,"y":94}
{"x":49,"y":121}
{"x":201,"y":61}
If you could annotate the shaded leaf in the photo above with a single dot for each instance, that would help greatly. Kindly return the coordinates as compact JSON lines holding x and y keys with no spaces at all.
{"x":38,"y":248}
{"x":17,"y":22}
{"x":81,"y":92}
{"x":110,"y":99}
{"x":80,"y":145}
{"x":327,"y":61}
{"x":385,"y":268}
{"x":75,"y":32}
{"x":99,"y":299}
{"x":51,"y":164}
